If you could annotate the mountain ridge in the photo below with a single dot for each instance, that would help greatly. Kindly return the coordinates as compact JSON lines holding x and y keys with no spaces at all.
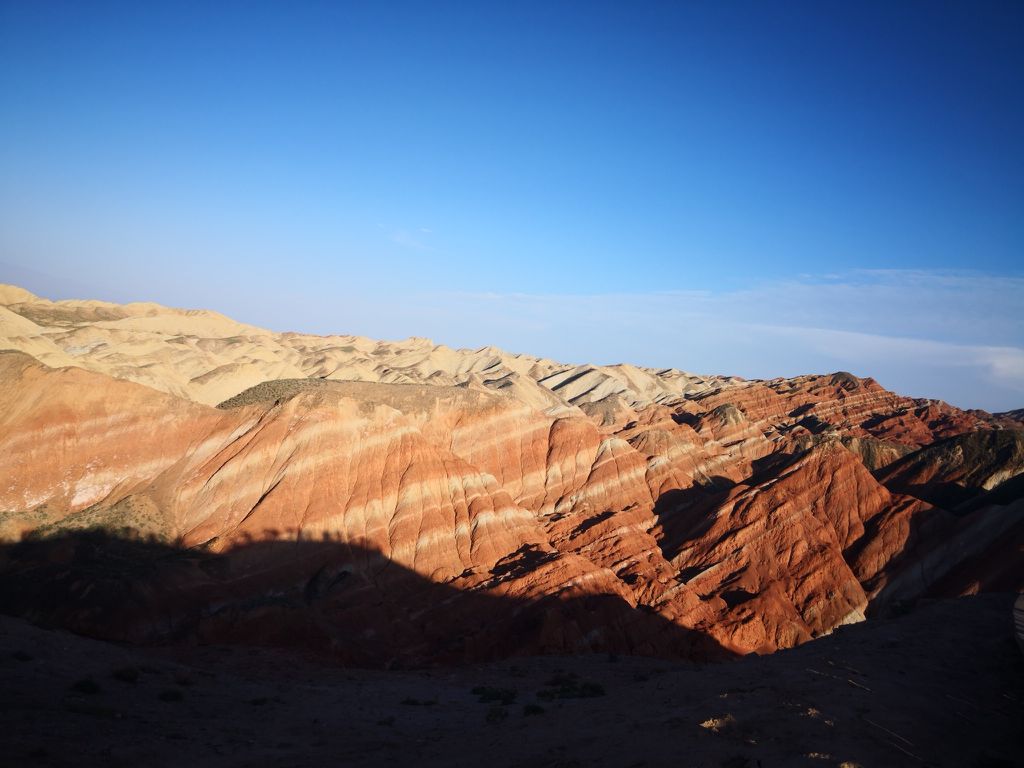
{"x":757,"y":514}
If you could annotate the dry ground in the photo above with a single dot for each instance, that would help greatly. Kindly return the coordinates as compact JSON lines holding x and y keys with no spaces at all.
{"x":943,"y":686}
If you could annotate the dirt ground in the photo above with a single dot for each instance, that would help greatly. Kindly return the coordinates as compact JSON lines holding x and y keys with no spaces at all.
{"x":942,"y":686}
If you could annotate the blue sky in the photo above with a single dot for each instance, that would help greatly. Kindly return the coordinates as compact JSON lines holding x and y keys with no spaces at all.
{"x":750,"y":188}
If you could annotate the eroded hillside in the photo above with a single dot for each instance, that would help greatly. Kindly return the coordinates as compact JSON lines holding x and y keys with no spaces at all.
{"x":404,"y":501}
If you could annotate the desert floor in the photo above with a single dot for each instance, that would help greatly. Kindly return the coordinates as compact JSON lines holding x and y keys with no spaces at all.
{"x":941,"y":686}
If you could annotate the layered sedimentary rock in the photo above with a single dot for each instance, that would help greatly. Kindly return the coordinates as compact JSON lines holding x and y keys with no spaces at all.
{"x":955,"y":470}
{"x":402,"y":502}
{"x":206,"y":357}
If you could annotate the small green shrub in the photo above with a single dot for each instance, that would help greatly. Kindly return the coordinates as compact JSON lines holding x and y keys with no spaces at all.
{"x":562,"y":678}
{"x":126,"y":674}
{"x":488,"y":695}
{"x":86,"y":685}
{"x":570,"y":688}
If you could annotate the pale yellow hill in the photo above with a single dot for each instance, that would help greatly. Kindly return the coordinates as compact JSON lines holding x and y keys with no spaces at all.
{"x":207,"y":357}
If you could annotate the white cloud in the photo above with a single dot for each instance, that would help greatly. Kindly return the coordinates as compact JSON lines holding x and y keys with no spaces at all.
{"x":1002,"y":365}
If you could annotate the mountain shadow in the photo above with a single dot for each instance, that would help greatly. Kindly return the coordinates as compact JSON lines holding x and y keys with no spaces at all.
{"x":685,"y":514}
{"x":347,"y":602}
{"x":960,"y":470}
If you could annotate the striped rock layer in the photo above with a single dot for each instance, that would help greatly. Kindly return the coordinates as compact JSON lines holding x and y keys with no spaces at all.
{"x":404,"y":503}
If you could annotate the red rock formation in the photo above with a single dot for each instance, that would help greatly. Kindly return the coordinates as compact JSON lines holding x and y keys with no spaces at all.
{"x":614,"y":507}
{"x":855,"y":407}
{"x":953,"y":471}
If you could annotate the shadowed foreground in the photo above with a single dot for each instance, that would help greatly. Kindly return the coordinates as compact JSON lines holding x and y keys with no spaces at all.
{"x":348,"y":604}
{"x":942,"y":686}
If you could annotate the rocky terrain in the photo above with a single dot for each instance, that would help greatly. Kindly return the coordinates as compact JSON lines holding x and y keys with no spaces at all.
{"x":175,"y":477}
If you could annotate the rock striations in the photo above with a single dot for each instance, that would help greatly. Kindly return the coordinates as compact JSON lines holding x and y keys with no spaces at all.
{"x":401,"y":502}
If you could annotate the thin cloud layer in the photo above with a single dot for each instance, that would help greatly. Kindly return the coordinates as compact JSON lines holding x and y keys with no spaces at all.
{"x":953,"y":336}
{"x":958,"y":337}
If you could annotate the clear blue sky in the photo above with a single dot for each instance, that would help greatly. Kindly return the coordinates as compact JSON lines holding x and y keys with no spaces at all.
{"x":721,"y":187}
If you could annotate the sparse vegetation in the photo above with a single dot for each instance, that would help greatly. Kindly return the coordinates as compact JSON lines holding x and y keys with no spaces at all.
{"x":487,"y":694}
{"x":270,"y":391}
{"x":569,"y":686}
{"x":126,"y":674}
{"x":496,"y":714}
{"x":561,"y":678}
{"x":86,"y":685}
